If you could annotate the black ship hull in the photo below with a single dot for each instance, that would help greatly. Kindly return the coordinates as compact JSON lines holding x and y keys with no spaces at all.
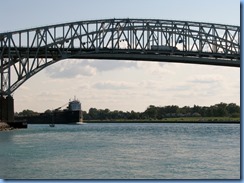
{"x":56,"y":117}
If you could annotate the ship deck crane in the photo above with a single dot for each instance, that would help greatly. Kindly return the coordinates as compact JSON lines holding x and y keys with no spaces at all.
{"x":61,"y":107}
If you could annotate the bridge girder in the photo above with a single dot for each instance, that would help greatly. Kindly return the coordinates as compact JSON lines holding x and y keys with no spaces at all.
{"x":26,"y":52}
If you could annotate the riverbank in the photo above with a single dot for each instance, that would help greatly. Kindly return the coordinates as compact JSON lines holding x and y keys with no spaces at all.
{"x":214,"y":120}
{"x":13,"y":125}
{"x":137,"y":121}
{"x":5,"y":127}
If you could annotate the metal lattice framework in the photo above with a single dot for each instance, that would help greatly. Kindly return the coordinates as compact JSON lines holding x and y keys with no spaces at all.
{"x":24,"y":53}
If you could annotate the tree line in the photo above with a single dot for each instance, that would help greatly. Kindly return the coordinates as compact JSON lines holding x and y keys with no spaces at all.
{"x":157,"y":112}
{"x":171,"y":111}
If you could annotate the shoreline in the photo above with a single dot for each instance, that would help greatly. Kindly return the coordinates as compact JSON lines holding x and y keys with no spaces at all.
{"x":160,"y":121}
{"x":5,"y":127}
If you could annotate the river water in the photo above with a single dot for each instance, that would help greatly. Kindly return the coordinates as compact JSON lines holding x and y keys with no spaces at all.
{"x":121,"y":151}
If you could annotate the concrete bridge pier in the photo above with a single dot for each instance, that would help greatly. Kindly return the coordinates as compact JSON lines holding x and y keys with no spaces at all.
{"x":7,"y":109}
{"x":7,"y":113}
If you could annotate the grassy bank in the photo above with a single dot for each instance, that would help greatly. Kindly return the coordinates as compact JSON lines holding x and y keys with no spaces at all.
{"x":173,"y":120}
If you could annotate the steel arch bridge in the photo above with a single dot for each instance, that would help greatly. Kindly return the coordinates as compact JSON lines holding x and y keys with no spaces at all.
{"x":24,"y":53}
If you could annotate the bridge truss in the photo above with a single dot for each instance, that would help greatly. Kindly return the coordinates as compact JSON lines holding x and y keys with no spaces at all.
{"x":26,"y":52}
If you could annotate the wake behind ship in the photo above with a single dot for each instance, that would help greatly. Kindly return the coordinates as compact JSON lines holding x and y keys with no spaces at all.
{"x":72,"y":114}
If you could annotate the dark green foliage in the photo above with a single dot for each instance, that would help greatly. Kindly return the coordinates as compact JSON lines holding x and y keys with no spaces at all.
{"x":27,"y":112}
{"x":157,"y":113}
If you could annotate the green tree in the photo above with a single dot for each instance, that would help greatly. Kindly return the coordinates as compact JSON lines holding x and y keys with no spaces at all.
{"x":27,"y":112}
{"x":233,"y":109}
{"x":185,"y":110}
{"x":93,"y":113}
{"x":196,"y":109}
{"x":220,"y":110}
{"x":151,"y":112}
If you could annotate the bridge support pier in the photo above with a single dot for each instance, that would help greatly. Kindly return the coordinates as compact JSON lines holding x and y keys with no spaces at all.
{"x":7,"y":109}
{"x":7,"y":113}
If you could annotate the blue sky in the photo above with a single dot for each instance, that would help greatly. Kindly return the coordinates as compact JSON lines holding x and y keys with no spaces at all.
{"x":31,"y":13}
{"x":123,"y":85}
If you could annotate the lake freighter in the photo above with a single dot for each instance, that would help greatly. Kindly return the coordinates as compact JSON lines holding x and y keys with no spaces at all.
{"x":72,"y":114}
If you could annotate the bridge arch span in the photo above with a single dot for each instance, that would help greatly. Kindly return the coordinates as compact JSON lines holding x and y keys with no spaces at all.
{"x":26,"y":52}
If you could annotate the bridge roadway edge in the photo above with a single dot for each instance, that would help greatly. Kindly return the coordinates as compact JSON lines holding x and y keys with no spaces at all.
{"x":158,"y":58}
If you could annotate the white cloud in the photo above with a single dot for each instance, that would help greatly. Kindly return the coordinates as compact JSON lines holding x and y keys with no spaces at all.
{"x":178,"y":88}
{"x":206,"y":79}
{"x":72,"y":68}
{"x":107,"y":65}
{"x":155,"y":67}
{"x":113,"y":85}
